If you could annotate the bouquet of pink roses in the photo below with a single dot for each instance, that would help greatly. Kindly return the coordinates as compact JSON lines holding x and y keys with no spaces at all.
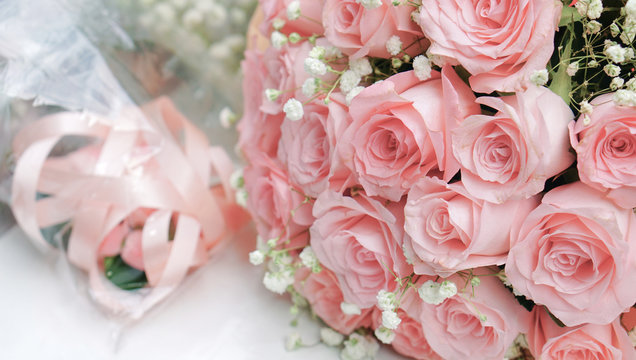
{"x":455,"y":178}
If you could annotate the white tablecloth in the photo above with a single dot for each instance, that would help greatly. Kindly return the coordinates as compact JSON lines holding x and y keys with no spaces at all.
{"x":221,"y":312}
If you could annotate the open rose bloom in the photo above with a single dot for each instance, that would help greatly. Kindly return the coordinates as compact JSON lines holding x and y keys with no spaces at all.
{"x":432,"y":174}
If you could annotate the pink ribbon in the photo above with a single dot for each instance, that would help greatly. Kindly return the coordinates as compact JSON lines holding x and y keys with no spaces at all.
{"x":132,"y":163}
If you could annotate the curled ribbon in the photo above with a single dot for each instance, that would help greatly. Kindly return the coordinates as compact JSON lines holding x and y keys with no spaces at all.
{"x":132,"y":163}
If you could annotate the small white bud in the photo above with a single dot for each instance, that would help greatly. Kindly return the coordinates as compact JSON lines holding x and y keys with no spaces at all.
{"x":430,"y":294}
{"x":361,"y":66}
{"x":448,"y":289}
{"x":240,"y":197}
{"x":353,"y":93}
{"x":616,"y":83}
{"x":272,"y":94}
{"x":293,"y":109}
{"x":236,"y":179}
{"x":227,"y":117}
{"x":394,"y":45}
{"x":349,"y":80}
{"x":315,"y":67}
{"x":278,"y":24}
{"x":331,"y":337}
{"x":385,"y":335}
{"x":293,"y":342}
{"x":192,"y":18}
{"x":317,"y":52}
{"x":278,"y":282}
{"x":625,"y":98}
{"x":630,"y":9}
{"x":310,"y":86}
{"x":422,"y":67}
{"x":293,"y":10}
{"x":475,"y":281}
{"x":308,"y":257}
{"x":350,"y":309}
{"x":593,"y":27}
{"x":615,"y":53}
{"x":278,"y":39}
{"x":614,"y":29}
{"x":257,"y":257}
{"x":572,"y":68}
{"x":386,"y":300}
{"x":612,"y":70}
{"x":539,"y":77}
{"x":390,"y":319}
{"x":370,"y":4}
{"x":294,"y":37}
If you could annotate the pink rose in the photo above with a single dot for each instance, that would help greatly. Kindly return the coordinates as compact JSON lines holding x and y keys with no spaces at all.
{"x":360,"y":32}
{"x":606,"y":149}
{"x":307,"y":24}
{"x":307,"y":146}
{"x":500,"y":43}
{"x":323,"y":294}
{"x":125,"y":239}
{"x":548,"y":341}
{"x":450,"y":230}
{"x":283,"y":70}
{"x":575,"y":254}
{"x":259,"y":129}
{"x":359,"y":238}
{"x":275,"y":205}
{"x":409,"y":338}
{"x":512,"y":153}
{"x":454,"y":329}
{"x":401,"y":131}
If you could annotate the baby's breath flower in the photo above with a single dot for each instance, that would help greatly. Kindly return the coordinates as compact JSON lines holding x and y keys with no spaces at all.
{"x":625,"y":98}
{"x":390,"y":319}
{"x":396,"y":63}
{"x":315,"y":67}
{"x":192,"y":18}
{"x":350,"y":309}
{"x":236,"y":179}
{"x":539,"y":77}
{"x":592,"y":64}
{"x":385,"y":335}
{"x":572,"y":68}
{"x":294,"y":37}
{"x":257,"y":257}
{"x":585,"y":107}
{"x":359,"y":347}
{"x":448,"y":289}
{"x":241,"y":197}
{"x":349,"y":80}
{"x":475,"y":281}
{"x":386,"y":300}
{"x":616,"y":83}
{"x":590,"y":8}
{"x":631,"y":84}
{"x":272,"y":94}
{"x":227,"y":117}
{"x":293,"y":109}
{"x":278,"y":24}
{"x":293,"y":342}
{"x":278,"y":39}
{"x":430,"y":294}
{"x":394,"y":45}
{"x":422,"y":67}
{"x":614,"y":29}
{"x":361,"y":66}
{"x":370,"y":4}
{"x":293,"y":10}
{"x":630,"y":8}
{"x":331,"y":337}
{"x":310,"y":86}
{"x":317,"y":52}
{"x":353,"y":93}
{"x":615,"y":52}
{"x":308,"y":258}
{"x":612,"y":70}
{"x":593,"y":27}
{"x":278,"y":281}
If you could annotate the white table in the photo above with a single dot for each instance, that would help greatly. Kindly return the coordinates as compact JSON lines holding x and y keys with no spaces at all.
{"x":220,"y":312}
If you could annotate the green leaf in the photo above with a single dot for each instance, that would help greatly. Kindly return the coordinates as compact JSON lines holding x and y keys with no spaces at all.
{"x":57,"y":233}
{"x":569,"y":15}
{"x":123,"y":275}
{"x":561,"y":82}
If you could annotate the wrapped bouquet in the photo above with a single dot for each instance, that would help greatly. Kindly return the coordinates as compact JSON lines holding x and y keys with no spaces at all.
{"x":134,"y":196}
{"x":455,"y":178}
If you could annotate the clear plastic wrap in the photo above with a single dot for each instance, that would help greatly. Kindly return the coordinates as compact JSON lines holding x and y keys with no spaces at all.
{"x":135,"y":196}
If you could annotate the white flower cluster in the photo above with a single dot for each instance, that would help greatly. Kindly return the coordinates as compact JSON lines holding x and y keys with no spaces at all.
{"x":359,"y":347}
{"x":616,"y":53}
{"x":370,"y":4}
{"x":435,"y":293}
{"x":625,"y":98}
{"x":308,"y":259}
{"x":592,"y":9}
{"x":629,"y":25}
